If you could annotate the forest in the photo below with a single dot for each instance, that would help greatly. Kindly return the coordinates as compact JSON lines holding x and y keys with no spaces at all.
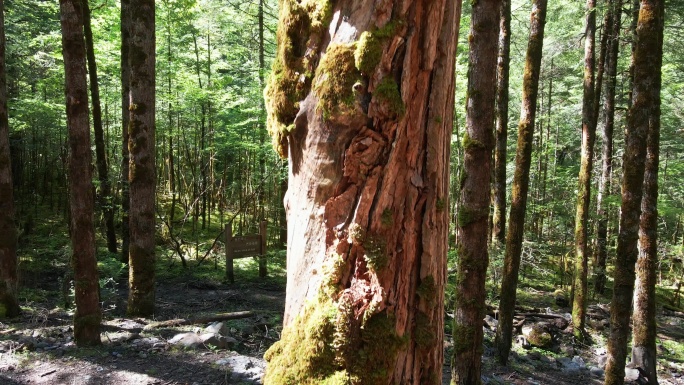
{"x":341,"y":192}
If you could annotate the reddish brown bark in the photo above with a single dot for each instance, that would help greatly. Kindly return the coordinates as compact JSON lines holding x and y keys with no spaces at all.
{"x":521,"y":181}
{"x":83,"y":260}
{"x":647,"y":59}
{"x":9,"y":307}
{"x":368,"y":192}
{"x":142,"y":172}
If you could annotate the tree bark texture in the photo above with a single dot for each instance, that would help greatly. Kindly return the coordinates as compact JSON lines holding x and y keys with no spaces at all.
{"x":142,"y":170}
{"x":361,"y":99}
{"x":579,"y":303}
{"x":521,"y":181}
{"x":644,"y":331}
{"x":474,"y":200}
{"x":502,"y":78}
{"x":105,"y":195}
{"x":645,"y":99}
{"x":125,"y":118}
{"x":84,"y":262}
{"x":9,"y":307}
{"x":601,"y":251}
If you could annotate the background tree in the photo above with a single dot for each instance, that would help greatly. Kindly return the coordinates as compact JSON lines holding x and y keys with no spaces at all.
{"x":86,"y":287}
{"x":141,"y":145}
{"x":645,"y":96}
{"x":8,"y":238}
{"x":367,"y":237}
{"x":474,"y":200}
{"x":521,"y":180}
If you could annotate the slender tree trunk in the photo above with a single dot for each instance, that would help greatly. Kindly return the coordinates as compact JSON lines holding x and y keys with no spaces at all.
{"x":521,"y":181}
{"x":474,"y":200}
{"x":88,"y":315}
{"x":9,"y":307}
{"x":579,"y":306}
{"x":367,"y":237}
{"x":105,"y":196}
{"x":262,"y":134}
{"x":125,"y":117}
{"x":502,"y":72}
{"x":141,"y":143}
{"x":601,"y":252}
{"x":644,"y":317}
{"x":645,"y":99}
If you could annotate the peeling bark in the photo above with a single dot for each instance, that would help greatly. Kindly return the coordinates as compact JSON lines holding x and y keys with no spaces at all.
{"x":367,"y":131}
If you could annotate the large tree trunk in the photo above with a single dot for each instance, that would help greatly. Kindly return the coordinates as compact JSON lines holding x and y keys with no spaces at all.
{"x":368,"y":143}
{"x":88,"y":315}
{"x":105,"y":196}
{"x":579,"y":303}
{"x":125,"y":117}
{"x":644,"y":318}
{"x":601,"y":252}
{"x":474,"y":200}
{"x":521,"y":181}
{"x":645,"y":99}
{"x":502,"y":75}
{"x":142,"y":171}
{"x":9,"y":307}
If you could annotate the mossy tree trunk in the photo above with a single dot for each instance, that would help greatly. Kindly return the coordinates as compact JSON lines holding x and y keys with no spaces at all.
{"x":361,"y":100}
{"x":645,"y":101}
{"x":601,"y":251}
{"x":105,"y":191}
{"x":474,"y":199}
{"x":83,"y":260}
{"x":502,"y":78}
{"x":125,"y":117}
{"x":141,"y":175}
{"x":579,"y":303}
{"x":644,"y":317}
{"x":9,"y":307}
{"x":521,"y":181}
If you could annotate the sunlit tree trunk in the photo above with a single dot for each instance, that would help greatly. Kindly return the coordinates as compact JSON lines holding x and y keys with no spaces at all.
{"x":84,"y":262}
{"x":645,"y":100}
{"x":367,"y":134}
{"x":521,"y":181}
{"x":9,"y":307}
{"x":579,"y":306}
{"x":141,"y":143}
{"x":125,"y":117}
{"x":601,"y":252}
{"x":105,"y":193}
{"x":644,"y":317}
{"x":502,"y":74}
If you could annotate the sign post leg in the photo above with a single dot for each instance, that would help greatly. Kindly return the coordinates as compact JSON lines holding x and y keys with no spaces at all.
{"x":262,"y":258}
{"x":229,"y":253}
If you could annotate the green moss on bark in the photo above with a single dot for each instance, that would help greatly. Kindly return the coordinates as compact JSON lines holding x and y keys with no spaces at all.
{"x":369,"y":49}
{"x":335,"y":78}
{"x":387,"y":92}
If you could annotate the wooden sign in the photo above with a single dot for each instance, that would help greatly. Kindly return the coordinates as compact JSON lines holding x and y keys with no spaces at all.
{"x":245,"y":246}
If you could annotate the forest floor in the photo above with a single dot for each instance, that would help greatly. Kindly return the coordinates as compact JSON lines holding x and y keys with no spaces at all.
{"x":38,"y":347}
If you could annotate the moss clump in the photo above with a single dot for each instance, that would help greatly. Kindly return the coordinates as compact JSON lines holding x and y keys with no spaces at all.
{"x":471,"y":144}
{"x":376,"y":253}
{"x":369,"y":49}
{"x":335,"y":78}
{"x":467,"y":216}
{"x":304,"y":354}
{"x":387,"y":92}
{"x":333,"y":271}
{"x":356,"y":233}
{"x":301,"y":26}
{"x":424,"y":331}
{"x":439,"y":205}
{"x":386,"y":218}
{"x":427,"y":290}
{"x":380,"y":345}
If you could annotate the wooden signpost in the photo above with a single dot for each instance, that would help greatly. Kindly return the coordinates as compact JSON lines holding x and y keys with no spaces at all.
{"x":245,"y":246}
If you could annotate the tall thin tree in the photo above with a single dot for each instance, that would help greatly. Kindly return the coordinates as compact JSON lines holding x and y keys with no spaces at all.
{"x":9,"y":307}
{"x":142,"y":172}
{"x":584,"y":192}
{"x":86,"y":286}
{"x":645,"y":98}
{"x":125,"y":118}
{"x":521,"y":180}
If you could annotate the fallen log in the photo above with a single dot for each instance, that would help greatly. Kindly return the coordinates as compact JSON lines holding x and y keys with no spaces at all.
{"x":199,"y":320}
{"x":674,"y":311}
